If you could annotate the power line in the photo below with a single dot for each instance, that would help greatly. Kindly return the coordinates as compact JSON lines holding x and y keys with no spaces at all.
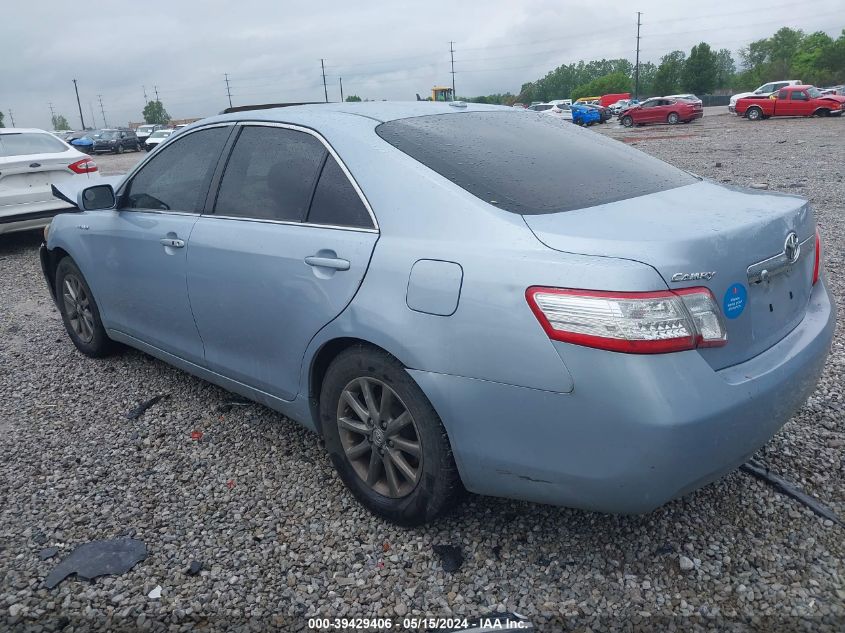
{"x":79,"y":104}
{"x":228,"y":92}
{"x":103,"y":110}
{"x":637,"y":65}
{"x":325,"y":90}
{"x":452,"y":54}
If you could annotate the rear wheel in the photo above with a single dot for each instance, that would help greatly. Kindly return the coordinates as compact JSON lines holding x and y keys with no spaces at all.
{"x":385,"y":439}
{"x":672,"y":119}
{"x":754,"y":113}
{"x":119,"y":149}
{"x":80,"y":314}
{"x":627,"y":121}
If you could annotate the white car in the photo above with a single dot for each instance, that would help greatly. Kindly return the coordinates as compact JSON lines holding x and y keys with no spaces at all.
{"x":30,"y":161}
{"x":155,"y":138}
{"x":763,"y":91}
{"x":560,"y":110}
{"x":685,"y":97}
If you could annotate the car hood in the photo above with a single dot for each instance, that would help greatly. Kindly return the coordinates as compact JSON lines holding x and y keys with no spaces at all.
{"x":743,"y":95}
{"x":836,"y":98}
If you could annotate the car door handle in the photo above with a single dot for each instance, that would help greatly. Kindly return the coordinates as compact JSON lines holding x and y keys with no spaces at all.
{"x":172,"y":242}
{"x":327,"y":262}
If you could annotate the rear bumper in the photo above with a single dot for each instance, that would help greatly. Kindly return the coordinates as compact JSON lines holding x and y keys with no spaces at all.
{"x":30,"y":216}
{"x":637,"y":431}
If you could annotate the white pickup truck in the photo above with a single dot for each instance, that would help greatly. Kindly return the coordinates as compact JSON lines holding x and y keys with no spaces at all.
{"x":763,"y":91}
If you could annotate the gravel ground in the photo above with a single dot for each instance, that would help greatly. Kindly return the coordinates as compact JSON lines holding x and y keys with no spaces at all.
{"x":257,"y":502}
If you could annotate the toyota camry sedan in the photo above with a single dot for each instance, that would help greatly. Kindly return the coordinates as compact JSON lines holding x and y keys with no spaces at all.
{"x":449,"y":305}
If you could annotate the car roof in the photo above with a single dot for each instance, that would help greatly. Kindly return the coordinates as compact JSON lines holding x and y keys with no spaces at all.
{"x":19,"y":130}
{"x":380,"y":111}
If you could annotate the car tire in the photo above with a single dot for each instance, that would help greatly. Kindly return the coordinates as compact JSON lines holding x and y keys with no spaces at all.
{"x":672,"y":119}
{"x":80,"y":314}
{"x":627,"y":121}
{"x":119,"y":149}
{"x":404,"y":472}
{"x":754,"y":113}
{"x":137,"y":147}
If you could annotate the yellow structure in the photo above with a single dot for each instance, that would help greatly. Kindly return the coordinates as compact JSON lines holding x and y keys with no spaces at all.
{"x":442,"y":93}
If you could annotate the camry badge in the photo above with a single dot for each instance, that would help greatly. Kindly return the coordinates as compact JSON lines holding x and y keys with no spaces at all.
{"x":707,"y":276}
{"x":792,"y":248}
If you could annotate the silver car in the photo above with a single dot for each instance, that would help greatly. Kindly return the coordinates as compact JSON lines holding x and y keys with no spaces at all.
{"x":431,"y":289}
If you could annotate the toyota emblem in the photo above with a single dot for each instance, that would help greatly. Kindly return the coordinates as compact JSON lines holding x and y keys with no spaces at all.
{"x":791,"y":248}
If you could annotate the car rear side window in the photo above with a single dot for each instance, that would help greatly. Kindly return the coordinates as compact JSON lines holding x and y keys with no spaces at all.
{"x":530,"y":163}
{"x":23,"y":143}
{"x":270,"y":174}
{"x":336,"y":202}
{"x":178,"y":175}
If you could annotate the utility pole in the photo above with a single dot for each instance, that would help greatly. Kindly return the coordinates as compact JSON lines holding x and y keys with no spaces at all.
{"x":52,"y":114}
{"x":637,"y":65}
{"x":146,"y":101}
{"x":93,"y":118}
{"x":156,"y":89}
{"x":12,"y":117}
{"x":79,"y":104}
{"x":340,"y":79}
{"x":325,"y":90}
{"x":228,"y":92}
{"x":105,"y":124}
{"x":452,"y":53}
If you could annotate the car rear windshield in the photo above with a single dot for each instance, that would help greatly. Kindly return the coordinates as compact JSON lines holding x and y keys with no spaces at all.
{"x":530,"y":163}
{"x":22,"y":143}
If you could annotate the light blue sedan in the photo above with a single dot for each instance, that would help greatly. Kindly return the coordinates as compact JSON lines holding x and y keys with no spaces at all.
{"x":451,"y":303}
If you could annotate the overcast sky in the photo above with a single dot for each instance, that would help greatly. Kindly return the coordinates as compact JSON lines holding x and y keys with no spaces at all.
{"x":382,"y":50}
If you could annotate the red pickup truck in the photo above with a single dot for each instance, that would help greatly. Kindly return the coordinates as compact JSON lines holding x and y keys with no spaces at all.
{"x":791,"y":101}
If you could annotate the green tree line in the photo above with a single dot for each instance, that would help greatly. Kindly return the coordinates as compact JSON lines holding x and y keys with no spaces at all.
{"x":815,"y":58}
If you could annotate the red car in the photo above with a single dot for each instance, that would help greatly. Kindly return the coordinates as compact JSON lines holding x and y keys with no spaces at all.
{"x":791,"y":101}
{"x":661,"y":110}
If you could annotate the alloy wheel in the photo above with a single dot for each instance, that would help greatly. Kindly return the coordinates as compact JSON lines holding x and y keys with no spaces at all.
{"x":379,"y":437}
{"x":78,"y":308}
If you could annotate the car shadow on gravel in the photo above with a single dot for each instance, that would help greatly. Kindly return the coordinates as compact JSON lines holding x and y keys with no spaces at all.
{"x":15,"y":243}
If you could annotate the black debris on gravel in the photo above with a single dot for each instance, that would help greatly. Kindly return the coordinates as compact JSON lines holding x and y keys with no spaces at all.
{"x":98,"y":558}
{"x":451,"y":557}
{"x":48,"y":552}
{"x":137,"y":412}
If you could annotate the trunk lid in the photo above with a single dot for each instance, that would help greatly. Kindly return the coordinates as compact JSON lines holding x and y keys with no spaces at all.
{"x":27,"y":179}
{"x":689,"y":232}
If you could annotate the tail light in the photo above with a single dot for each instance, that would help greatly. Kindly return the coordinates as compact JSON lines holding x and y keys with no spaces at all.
{"x":632,"y":322}
{"x":818,"y":254}
{"x":83,"y":166}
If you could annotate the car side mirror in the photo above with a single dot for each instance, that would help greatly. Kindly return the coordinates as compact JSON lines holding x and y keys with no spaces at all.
{"x":96,"y":198}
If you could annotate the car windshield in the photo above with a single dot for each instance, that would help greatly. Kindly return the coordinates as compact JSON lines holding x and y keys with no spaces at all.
{"x":814,"y":92}
{"x":161,"y":134}
{"x":22,"y":143}
{"x":146,"y":128}
{"x":106,"y":136}
{"x":513,"y":160}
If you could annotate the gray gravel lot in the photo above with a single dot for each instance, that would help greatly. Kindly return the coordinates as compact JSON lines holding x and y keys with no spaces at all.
{"x":257,"y":502}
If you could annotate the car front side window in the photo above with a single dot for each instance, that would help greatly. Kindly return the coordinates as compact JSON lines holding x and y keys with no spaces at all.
{"x":178,"y":176}
{"x":799,"y":95}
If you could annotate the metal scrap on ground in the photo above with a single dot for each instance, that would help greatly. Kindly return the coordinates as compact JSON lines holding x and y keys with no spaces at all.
{"x":137,"y":412}
{"x":790,"y":489}
{"x":98,"y":558}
